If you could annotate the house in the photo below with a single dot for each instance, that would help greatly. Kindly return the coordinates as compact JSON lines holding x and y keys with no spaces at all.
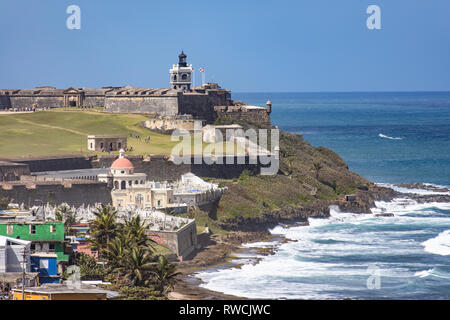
{"x":14,"y":255}
{"x":51,"y":291}
{"x":46,"y":265}
{"x":81,"y":244}
{"x":106,"y":142}
{"x":45,"y":236}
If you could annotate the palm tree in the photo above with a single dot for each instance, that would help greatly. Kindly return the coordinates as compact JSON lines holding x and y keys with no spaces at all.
{"x":61,"y":212}
{"x":136,"y":266}
{"x":116,"y":251}
{"x":104,"y":227}
{"x":165,"y":274}
{"x":136,"y":229}
{"x":317,"y":167}
{"x":66,"y":215}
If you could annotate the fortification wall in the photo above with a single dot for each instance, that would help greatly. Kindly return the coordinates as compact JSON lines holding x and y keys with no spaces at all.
{"x":182,"y":242}
{"x":12,"y":171}
{"x":94,"y":101}
{"x":259,"y":116}
{"x":24,"y":101}
{"x":56,"y":164}
{"x":5,"y":102}
{"x":201,"y":106}
{"x":87,"y":193}
{"x":161,"y":169}
{"x":165,"y":106}
{"x":169,"y":125}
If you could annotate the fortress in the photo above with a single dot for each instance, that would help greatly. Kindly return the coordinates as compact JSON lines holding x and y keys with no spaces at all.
{"x":205,"y":102}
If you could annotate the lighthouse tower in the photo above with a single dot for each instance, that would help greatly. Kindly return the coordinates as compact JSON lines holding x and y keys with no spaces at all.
{"x":180,"y":74}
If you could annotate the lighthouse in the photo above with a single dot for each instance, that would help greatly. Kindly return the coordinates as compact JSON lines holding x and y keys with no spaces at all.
{"x":180,"y":74}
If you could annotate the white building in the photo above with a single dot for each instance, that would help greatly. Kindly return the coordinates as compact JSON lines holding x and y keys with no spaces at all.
{"x":14,"y":253}
{"x":132,"y":190}
{"x":194,"y":191}
{"x":180,"y":74}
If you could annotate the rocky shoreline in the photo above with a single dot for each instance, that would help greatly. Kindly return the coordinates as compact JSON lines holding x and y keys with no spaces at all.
{"x":441,"y":194}
{"x":218,"y":251}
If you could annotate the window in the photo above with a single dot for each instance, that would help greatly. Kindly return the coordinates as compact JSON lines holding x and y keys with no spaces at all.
{"x":33,"y":247}
{"x":136,"y":182}
{"x":51,"y":247}
{"x":9,"y":229}
{"x":101,"y":145}
{"x":43,"y":264}
{"x":32,"y":229}
{"x":122,"y":171}
{"x":184,"y":76}
{"x":130,"y":182}
{"x":92,"y":145}
{"x":119,"y":145}
{"x":52,"y":228}
{"x":159,"y":203}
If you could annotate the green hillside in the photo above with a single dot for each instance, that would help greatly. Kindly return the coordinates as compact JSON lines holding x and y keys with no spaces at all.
{"x":65,"y":132}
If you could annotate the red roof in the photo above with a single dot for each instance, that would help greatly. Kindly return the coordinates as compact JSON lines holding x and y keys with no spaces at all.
{"x":122,"y":163}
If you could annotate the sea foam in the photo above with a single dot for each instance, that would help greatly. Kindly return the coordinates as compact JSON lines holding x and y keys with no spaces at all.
{"x":388,"y":137}
{"x":439,"y":245}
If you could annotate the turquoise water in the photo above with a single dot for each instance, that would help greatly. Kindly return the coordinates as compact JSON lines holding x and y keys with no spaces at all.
{"x":387,"y":138}
{"x":351,"y":124}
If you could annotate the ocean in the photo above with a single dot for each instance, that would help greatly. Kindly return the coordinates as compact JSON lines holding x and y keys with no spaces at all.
{"x":388,"y":138}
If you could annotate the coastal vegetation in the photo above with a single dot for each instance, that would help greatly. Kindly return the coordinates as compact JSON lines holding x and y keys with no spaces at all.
{"x":307,"y":176}
{"x":128,"y":260}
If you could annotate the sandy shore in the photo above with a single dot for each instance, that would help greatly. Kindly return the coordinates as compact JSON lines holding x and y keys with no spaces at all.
{"x":215,"y":251}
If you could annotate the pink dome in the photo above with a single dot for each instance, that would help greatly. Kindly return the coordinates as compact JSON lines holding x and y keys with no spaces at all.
{"x":122,"y":163}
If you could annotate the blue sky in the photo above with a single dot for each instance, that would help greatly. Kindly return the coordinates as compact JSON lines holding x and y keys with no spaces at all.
{"x":246,"y":45}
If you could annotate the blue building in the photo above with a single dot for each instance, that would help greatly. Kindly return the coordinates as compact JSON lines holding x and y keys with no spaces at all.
{"x":47,"y":266}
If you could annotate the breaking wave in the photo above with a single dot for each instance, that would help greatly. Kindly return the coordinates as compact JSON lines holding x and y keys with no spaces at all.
{"x":329,"y":259}
{"x":388,"y":137}
{"x":439,"y":245}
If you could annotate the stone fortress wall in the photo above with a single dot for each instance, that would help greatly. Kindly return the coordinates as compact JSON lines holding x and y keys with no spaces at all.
{"x":205,"y":102}
{"x":74,"y":193}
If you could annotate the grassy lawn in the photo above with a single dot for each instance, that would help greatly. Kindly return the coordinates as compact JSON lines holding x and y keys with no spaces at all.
{"x":62,"y":132}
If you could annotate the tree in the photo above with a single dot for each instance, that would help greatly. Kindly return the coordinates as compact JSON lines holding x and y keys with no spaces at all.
{"x":4,"y":203}
{"x":139,"y":293}
{"x":136,"y":230}
{"x":89,"y":268}
{"x":116,"y":251}
{"x":317,"y":167}
{"x":104,"y":227}
{"x":165,"y":274}
{"x":136,"y":266}
{"x":65,"y":214}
